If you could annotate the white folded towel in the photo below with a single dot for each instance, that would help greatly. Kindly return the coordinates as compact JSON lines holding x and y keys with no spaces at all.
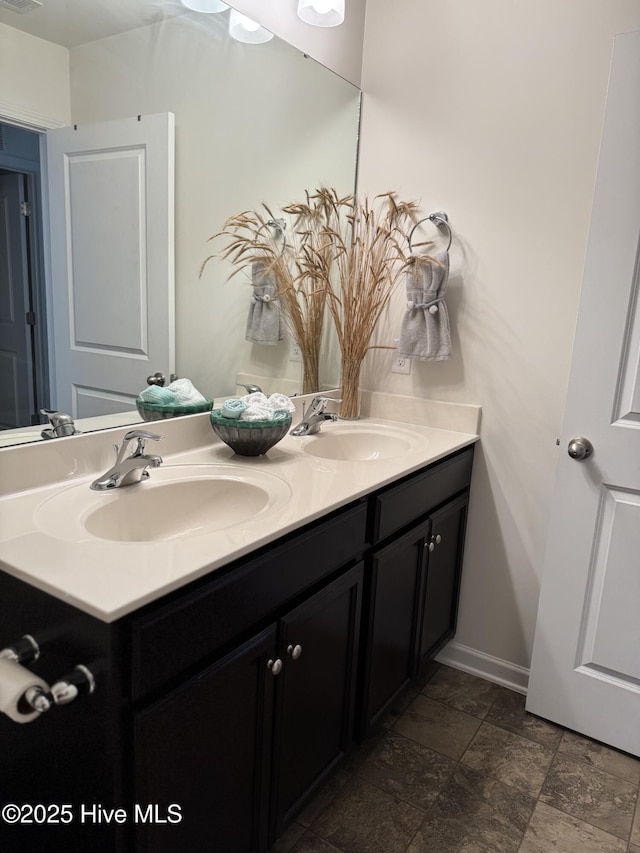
{"x":255,"y":398}
{"x":259,"y":407}
{"x":255,"y":412}
{"x":281,"y":402}
{"x":185,"y":392}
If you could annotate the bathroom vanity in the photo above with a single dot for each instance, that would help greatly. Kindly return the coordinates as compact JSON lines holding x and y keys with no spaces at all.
{"x":222,"y":704}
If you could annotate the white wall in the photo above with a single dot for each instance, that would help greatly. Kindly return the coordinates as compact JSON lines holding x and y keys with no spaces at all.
{"x":493,"y":111}
{"x":34,"y":79}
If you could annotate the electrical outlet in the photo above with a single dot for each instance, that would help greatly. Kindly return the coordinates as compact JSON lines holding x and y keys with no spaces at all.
{"x":401,"y":365}
{"x":294,"y":352}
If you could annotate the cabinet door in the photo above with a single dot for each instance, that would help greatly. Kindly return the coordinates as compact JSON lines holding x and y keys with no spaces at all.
{"x":443,"y":576}
{"x":315,"y":692}
{"x":394,"y":598}
{"x":206,"y":748}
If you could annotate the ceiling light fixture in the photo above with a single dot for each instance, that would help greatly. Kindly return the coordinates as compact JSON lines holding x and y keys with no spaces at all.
{"x":207,"y":6}
{"x":245,"y":30}
{"x":321,"y":13}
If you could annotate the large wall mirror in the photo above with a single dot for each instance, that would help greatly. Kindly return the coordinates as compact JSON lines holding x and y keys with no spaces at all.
{"x":253,"y":123}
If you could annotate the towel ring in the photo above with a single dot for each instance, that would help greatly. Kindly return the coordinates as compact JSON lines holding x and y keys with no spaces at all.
{"x":440,"y":220}
{"x":280,"y":225}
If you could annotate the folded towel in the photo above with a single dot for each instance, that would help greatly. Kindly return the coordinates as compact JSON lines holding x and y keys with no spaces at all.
{"x":158,"y":395}
{"x":264,"y":323}
{"x":258,"y":407}
{"x":185,"y":392}
{"x":255,"y":412}
{"x":281,"y":402}
{"x":233,"y":409}
{"x":425,"y":334}
{"x":255,"y":398}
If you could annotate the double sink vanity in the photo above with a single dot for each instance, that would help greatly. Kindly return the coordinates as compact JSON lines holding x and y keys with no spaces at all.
{"x":247,"y":621}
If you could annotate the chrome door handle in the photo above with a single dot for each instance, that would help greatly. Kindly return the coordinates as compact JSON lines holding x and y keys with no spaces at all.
{"x":580,"y":448}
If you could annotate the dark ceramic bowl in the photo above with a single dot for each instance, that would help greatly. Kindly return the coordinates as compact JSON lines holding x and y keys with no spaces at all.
{"x":249,"y":438}
{"x":158,"y":412}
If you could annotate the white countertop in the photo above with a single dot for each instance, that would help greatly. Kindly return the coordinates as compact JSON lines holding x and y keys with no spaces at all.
{"x":108,"y":579}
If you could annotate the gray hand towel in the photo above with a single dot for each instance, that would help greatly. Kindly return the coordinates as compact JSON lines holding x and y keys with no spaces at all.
{"x":425,"y":334}
{"x":264,"y":323}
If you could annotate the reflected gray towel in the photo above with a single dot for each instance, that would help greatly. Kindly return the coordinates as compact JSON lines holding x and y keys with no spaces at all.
{"x":264,"y":323}
{"x":425,"y":333}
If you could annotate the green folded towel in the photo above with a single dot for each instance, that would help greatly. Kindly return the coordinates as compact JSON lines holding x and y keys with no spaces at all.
{"x":280,"y":415}
{"x":158,"y":395}
{"x":233,"y":408}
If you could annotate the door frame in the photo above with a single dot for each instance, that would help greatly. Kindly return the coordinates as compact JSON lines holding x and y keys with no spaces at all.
{"x":36,"y":267}
{"x":44,"y":357}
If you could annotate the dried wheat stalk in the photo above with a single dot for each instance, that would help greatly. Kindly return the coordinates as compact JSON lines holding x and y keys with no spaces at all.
{"x":252,"y":238}
{"x":358,"y":251}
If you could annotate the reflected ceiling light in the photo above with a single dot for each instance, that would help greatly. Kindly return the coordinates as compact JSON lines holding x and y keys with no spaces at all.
{"x":244,"y":29}
{"x":321,"y":13}
{"x":205,"y":5}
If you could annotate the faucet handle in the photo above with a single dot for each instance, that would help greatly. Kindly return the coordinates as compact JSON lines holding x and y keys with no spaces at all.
{"x":319,"y":404}
{"x":141,"y":435}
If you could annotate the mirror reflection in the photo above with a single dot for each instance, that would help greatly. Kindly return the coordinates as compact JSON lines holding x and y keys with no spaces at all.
{"x":253,"y":123}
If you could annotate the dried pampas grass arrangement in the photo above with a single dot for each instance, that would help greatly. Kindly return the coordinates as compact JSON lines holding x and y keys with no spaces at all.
{"x":358,"y":253}
{"x":341,"y":253}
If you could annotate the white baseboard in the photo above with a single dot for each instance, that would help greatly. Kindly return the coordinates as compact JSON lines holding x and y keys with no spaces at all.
{"x":485,"y":666}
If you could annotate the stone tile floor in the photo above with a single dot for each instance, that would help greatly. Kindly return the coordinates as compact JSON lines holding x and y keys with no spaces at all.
{"x":462,"y":768}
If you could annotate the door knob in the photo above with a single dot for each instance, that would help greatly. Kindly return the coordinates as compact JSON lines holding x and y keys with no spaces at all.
{"x":580,"y":448}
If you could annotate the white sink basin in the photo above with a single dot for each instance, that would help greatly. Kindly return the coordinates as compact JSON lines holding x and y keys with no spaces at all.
{"x":176,"y":501}
{"x":359,"y":443}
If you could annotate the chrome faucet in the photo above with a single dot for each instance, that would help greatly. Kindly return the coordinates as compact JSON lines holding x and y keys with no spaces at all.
{"x":315,"y":416}
{"x":60,"y":424}
{"x":133,"y":468}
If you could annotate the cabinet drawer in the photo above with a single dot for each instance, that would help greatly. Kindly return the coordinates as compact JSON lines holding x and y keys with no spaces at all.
{"x":417,"y":495}
{"x":170,"y":639}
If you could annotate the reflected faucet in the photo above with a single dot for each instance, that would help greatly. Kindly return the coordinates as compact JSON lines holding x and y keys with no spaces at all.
{"x":60,"y":424}
{"x":133,"y":468}
{"x":315,"y":416}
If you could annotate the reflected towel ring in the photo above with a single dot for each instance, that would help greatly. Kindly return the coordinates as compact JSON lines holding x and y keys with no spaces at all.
{"x":280,"y":224}
{"x":440,"y":220}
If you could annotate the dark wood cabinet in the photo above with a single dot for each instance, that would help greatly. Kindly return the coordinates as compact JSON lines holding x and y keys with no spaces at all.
{"x":395,"y":582}
{"x":315,"y":693}
{"x":206,"y":749}
{"x":442,"y":576}
{"x":235,"y":771}
{"x":220,"y":709}
{"x":414,"y":580}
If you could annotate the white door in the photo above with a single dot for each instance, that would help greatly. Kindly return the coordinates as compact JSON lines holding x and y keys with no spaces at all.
{"x":16,"y":377}
{"x":585,"y":671}
{"x":111,"y":208}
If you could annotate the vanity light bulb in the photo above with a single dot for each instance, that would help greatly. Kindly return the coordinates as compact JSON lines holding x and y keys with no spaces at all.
{"x":245,"y":30}
{"x":206,"y":6}
{"x":321,"y":13}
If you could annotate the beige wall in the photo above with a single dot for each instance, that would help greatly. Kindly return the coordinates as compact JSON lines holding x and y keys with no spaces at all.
{"x":493,"y":111}
{"x":34,"y":79}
